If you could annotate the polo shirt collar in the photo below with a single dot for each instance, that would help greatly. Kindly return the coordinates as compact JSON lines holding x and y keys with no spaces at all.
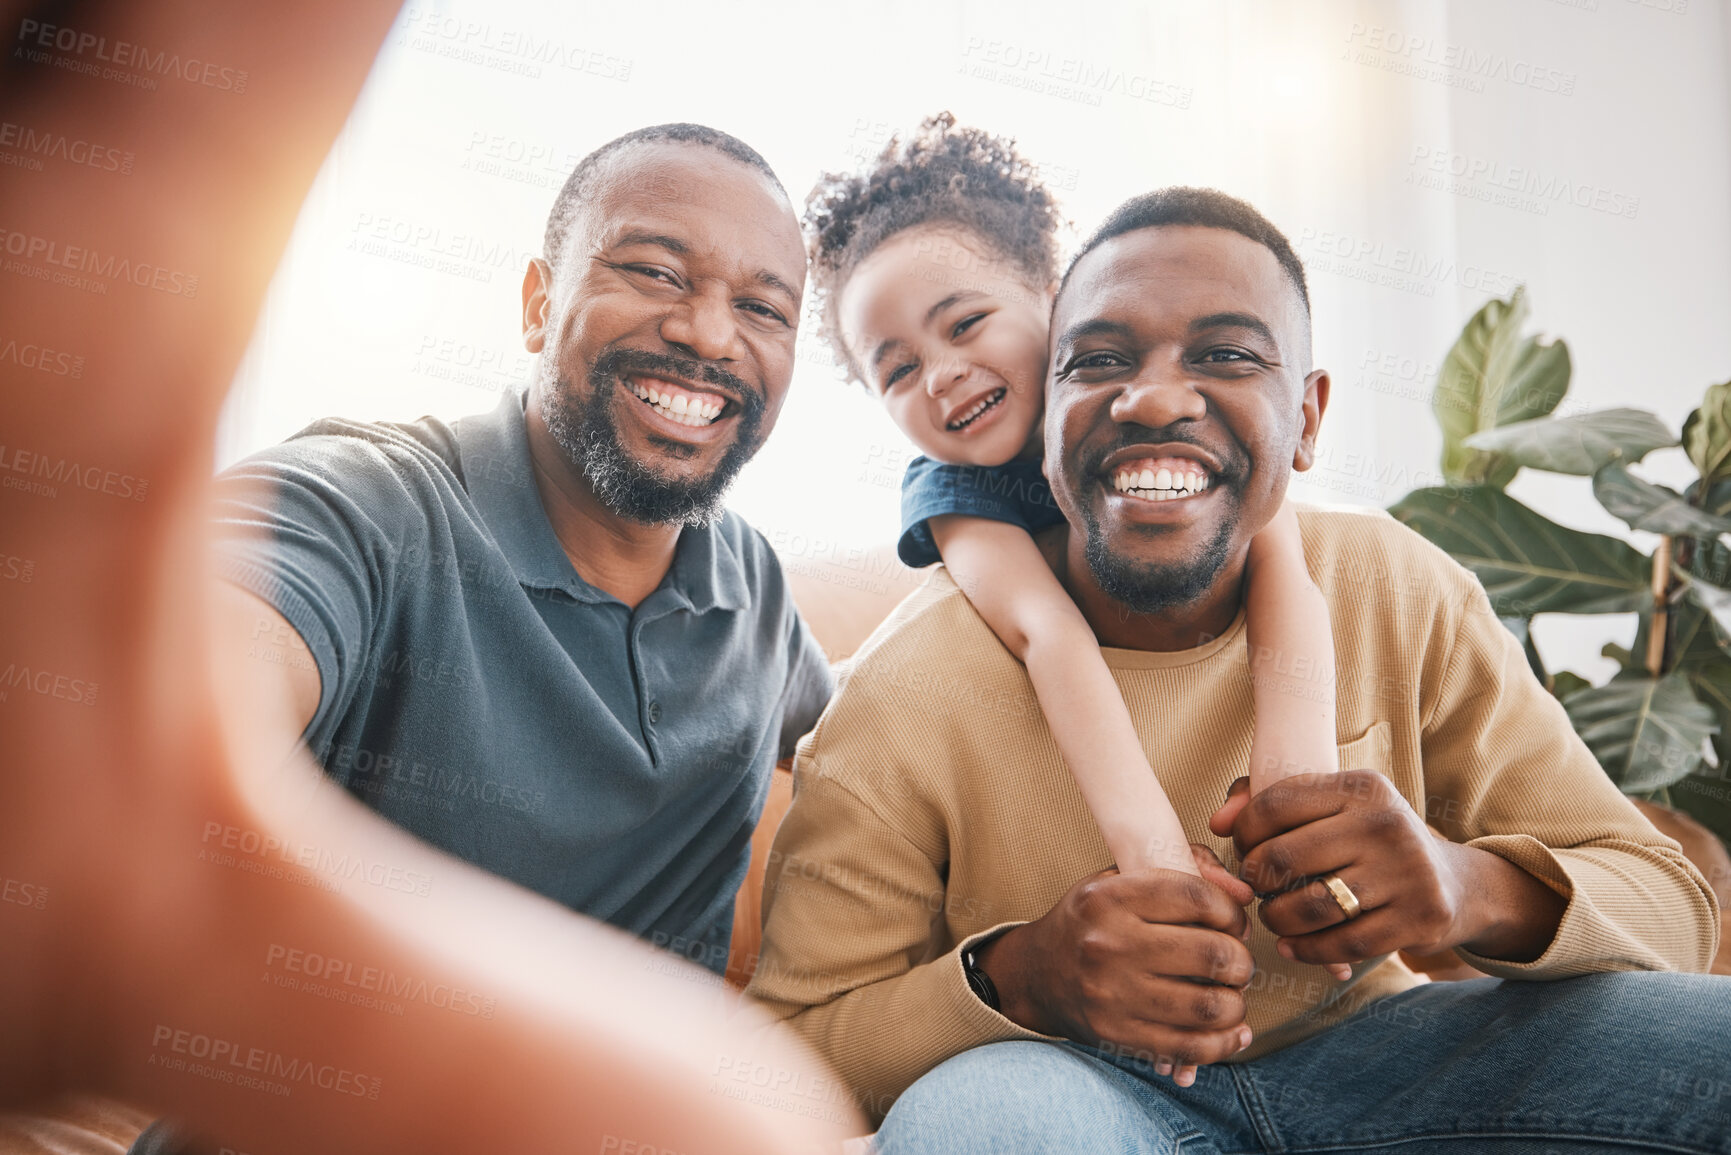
{"x":707,"y":571}
{"x":497,"y":472}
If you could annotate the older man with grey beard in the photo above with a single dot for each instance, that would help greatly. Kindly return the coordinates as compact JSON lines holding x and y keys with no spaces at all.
{"x":532,"y":637}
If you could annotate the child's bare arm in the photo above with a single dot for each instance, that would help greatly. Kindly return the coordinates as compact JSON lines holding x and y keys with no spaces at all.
{"x":1291,"y":663}
{"x":1008,"y":581}
{"x":1291,"y":658}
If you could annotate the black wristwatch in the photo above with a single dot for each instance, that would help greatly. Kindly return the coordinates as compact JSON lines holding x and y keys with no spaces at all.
{"x":978,"y":980}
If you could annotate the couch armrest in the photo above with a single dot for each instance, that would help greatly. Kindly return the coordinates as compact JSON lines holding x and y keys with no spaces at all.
{"x":748,"y":907}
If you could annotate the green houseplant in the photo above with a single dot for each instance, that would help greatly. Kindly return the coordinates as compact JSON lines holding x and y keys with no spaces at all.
{"x":1661,"y":726}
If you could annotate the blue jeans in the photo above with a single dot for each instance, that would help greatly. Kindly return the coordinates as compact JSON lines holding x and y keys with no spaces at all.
{"x":1628,"y":1061}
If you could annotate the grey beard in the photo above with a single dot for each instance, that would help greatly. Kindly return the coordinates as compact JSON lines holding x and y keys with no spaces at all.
{"x":1151,"y":588}
{"x":585,"y":430}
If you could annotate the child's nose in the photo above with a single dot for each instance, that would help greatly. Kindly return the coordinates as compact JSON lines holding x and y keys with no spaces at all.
{"x":943,"y":375}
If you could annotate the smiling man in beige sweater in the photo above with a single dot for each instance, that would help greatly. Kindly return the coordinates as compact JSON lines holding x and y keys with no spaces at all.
{"x":941,"y":920}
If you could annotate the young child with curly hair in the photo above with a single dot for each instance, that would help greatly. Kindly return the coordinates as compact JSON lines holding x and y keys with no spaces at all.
{"x":935,"y":272}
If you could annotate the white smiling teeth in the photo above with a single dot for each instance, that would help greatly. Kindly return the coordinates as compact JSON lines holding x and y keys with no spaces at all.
{"x":693,"y":411}
{"x":974,"y":411}
{"x":1160,"y":485}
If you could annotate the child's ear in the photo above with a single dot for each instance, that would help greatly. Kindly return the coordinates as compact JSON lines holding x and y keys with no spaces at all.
{"x":1315,"y":404}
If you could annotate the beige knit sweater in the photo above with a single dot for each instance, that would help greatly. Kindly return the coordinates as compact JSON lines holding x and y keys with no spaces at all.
{"x":931,"y":807}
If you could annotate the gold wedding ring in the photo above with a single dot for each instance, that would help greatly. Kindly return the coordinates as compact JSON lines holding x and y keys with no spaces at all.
{"x":1343,"y":895}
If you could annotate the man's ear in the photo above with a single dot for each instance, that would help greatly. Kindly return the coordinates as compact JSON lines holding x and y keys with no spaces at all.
{"x":537,"y":299}
{"x":1315,"y":405}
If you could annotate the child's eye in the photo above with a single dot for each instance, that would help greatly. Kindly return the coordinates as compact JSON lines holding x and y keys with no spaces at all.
{"x":896,"y":374}
{"x":965,"y":324}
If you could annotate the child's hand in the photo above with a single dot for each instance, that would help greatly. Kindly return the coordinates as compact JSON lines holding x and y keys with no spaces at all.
{"x":1213,"y":870}
{"x":1239,"y":891}
{"x":1237,"y":798}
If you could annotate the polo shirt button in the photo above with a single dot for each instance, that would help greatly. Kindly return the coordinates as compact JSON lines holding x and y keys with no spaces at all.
{"x":654,"y":713}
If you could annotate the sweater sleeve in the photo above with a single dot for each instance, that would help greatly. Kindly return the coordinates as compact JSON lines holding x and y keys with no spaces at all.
{"x":850,"y":902}
{"x":1505,"y":772}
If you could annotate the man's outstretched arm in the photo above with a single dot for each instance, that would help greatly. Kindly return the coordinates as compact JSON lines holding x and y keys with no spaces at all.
{"x":146,"y":782}
{"x":275,"y":656}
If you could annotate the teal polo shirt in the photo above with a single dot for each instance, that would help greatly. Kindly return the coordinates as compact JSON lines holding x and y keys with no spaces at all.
{"x":479,"y":693}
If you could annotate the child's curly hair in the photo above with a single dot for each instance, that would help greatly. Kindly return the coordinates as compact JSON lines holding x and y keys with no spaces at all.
{"x":938,"y":174}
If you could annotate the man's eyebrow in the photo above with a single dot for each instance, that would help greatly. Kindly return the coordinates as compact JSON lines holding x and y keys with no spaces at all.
{"x":765,"y":277}
{"x":1236,"y":321}
{"x":1097,"y":327}
{"x":662,"y":240}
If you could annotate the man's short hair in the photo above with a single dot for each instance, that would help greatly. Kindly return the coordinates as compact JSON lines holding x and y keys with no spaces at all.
{"x":576,"y":187}
{"x":1203,"y":207}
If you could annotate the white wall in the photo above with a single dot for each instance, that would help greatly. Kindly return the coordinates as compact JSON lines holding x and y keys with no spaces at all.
{"x":1324,"y":114}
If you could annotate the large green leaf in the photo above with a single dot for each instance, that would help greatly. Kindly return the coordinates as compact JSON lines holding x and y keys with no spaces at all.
{"x":1708,"y":565}
{"x":1711,"y":682}
{"x":1645,"y":732}
{"x":1527,"y":563}
{"x":1701,"y":655}
{"x":1624,"y":657}
{"x":1494,"y":376}
{"x":1695,"y":640}
{"x":1714,"y":599}
{"x":1707,"y":435}
{"x":1709,"y":560}
{"x":1581,"y":445}
{"x":1566,"y":682}
{"x":1718,"y":499}
{"x":1653,"y":508}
